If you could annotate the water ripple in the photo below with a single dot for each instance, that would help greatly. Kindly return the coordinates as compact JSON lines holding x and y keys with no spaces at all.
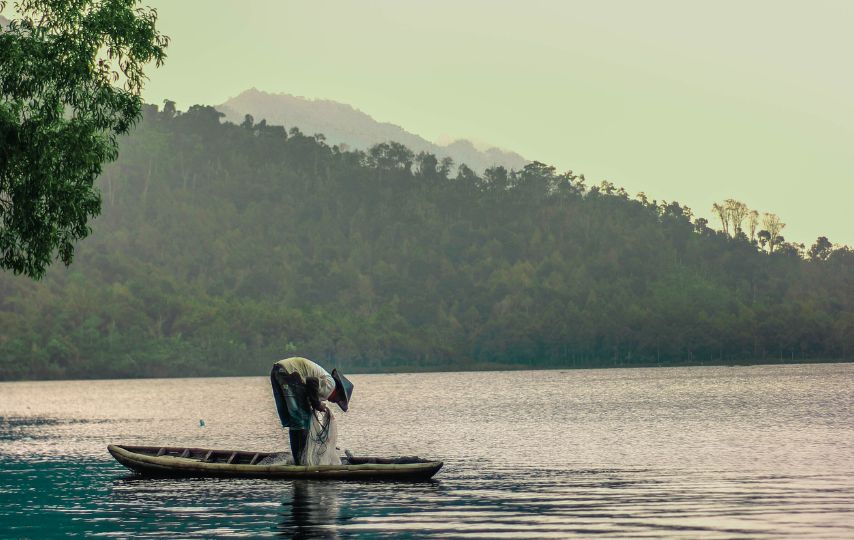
{"x":700,"y":453}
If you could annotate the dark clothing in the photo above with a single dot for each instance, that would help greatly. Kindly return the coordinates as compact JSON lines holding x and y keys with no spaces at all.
{"x":294,"y":408}
{"x":292,"y":401}
{"x":298,"y":439}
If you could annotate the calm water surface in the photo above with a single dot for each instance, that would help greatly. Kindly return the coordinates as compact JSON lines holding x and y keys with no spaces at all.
{"x":719,"y":452}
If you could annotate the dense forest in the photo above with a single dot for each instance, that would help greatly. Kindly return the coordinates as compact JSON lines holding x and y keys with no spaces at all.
{"x":224,"y":247}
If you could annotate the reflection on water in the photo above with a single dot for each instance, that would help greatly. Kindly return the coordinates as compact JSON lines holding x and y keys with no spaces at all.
{"x":759,"y":452}
{"x":310,"y":510}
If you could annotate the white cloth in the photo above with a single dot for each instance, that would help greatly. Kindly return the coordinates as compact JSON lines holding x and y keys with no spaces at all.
{"x":322,"y":437}
{"x":306,"y":368}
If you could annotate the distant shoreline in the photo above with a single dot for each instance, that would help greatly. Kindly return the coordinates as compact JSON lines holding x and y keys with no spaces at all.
{"x":471,"y":369}
{"x":516,"y":367}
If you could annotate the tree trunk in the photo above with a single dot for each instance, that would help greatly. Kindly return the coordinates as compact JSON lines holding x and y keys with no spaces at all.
{"x":147,"y":183}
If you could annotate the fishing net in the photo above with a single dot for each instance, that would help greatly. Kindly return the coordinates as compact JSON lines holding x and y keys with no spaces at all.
{"x":282,"y":458}
{"x":322,"y":436}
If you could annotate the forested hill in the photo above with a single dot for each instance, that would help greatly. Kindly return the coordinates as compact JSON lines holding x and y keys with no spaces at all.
{"x":223,"y":247}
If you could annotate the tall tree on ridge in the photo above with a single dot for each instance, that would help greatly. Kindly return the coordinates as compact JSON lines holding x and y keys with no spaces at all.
{"x":736,"y":211}
{"x":821,"y":250}
{"x":752,"y":222}
{"x":774,"y":225}
{"x":723,"y":216}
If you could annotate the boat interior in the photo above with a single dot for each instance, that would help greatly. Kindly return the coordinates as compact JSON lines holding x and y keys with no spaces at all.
{"x":239,"y":457}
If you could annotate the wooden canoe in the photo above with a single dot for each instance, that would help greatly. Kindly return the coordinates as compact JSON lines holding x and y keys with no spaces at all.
{"x":179,"y":461}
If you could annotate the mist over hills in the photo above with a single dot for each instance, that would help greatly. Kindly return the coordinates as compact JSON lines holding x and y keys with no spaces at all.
{"x":342,"y":123}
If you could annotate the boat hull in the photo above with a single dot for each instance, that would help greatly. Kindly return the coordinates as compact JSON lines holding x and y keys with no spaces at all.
{"x":152,"y":461}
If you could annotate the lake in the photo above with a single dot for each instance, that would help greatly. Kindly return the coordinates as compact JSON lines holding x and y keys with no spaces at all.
{"x":694,"y":452}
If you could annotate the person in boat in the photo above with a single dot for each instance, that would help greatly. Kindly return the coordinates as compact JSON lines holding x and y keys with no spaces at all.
{"x":301,"y":387}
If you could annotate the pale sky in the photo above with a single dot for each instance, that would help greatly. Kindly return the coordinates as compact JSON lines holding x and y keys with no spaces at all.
{"x":692,"y":101}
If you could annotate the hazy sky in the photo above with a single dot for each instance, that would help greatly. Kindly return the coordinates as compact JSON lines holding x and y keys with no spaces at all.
{"x":692,"y":101}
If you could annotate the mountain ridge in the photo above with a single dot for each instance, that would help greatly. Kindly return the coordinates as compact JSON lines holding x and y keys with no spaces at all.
{"x":342,"y":123}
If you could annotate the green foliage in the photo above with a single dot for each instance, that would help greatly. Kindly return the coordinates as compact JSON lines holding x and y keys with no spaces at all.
{"x":821,"y":250}
{"x":224,"y":247}
{"x":70,"y":76}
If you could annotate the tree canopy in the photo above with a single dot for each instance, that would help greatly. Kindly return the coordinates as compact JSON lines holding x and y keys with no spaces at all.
{"x":224,"y":247}
{"x":71,"y":72}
